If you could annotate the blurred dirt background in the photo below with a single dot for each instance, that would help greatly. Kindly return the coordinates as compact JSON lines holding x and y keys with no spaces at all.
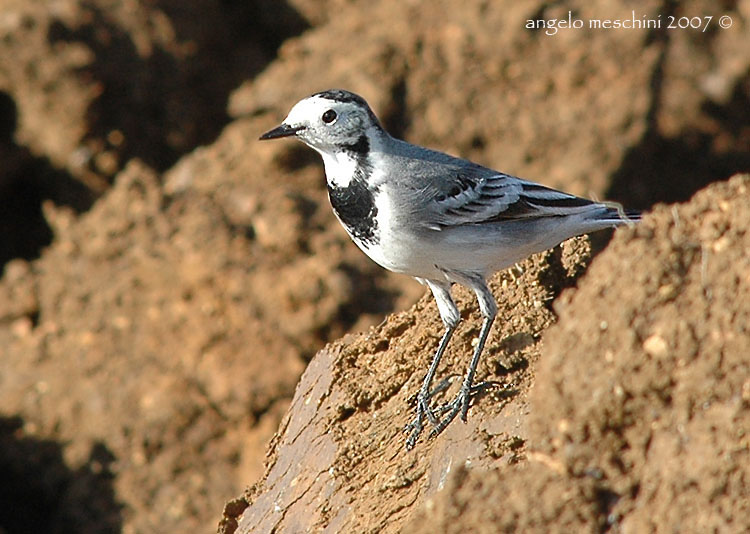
{"x":166,"y":279}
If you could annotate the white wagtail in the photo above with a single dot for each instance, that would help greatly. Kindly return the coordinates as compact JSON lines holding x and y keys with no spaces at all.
{"x":435,"y":217}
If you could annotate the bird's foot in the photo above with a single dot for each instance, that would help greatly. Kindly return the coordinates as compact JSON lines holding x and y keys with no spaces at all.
{"x":423,"y":411}
{"x":416,"y":425}
{"x":459,"y":405}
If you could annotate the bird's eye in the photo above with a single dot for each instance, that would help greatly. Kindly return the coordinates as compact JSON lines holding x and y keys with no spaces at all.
{"x":329,"y":116}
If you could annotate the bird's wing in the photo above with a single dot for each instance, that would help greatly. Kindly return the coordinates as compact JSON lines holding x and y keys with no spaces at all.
{"x":475,"y":196}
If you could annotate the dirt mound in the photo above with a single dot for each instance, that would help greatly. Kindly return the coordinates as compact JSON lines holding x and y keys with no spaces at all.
{"x":86,"y":86}
{"x":651,"y":397}
{"x":342,"y":436}
{"x":638,"y":418}
{"x":167,"y":278}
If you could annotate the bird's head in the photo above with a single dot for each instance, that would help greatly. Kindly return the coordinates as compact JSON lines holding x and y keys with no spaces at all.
{"x":330,"y":121}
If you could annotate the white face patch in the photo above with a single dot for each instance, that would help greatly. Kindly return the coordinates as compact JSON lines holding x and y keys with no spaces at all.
{"x":307,"y":112}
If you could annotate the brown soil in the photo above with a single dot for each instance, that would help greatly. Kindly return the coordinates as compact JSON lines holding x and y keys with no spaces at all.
{"x":167,"y":278}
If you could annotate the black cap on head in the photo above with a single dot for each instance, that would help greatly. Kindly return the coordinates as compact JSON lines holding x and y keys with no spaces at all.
{"x":341,"y":95}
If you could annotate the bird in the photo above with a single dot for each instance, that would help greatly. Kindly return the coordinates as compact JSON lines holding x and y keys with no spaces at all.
{"x":441,"y":219}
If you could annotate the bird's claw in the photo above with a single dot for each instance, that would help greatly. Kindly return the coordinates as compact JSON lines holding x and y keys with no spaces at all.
{"x":459,"y":405}
{"x":423,"y":410}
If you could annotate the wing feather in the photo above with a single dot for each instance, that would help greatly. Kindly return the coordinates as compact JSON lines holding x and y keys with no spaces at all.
{"x":484,"y":198}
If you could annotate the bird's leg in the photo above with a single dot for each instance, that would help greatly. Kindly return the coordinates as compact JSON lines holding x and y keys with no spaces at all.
{"x":423,"y":397}
{"x":425,"y":394}
{"x":460,"y":404}
{"x":449,"y":314}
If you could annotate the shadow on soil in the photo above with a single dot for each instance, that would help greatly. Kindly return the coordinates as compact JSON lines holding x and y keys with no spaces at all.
{"x":40,"y":493}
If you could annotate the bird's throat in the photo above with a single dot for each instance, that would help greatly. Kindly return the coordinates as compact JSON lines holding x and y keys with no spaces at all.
{"x":341,"y":168}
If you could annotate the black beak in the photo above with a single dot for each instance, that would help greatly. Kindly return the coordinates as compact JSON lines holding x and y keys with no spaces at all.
{"x":281,"y":131}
